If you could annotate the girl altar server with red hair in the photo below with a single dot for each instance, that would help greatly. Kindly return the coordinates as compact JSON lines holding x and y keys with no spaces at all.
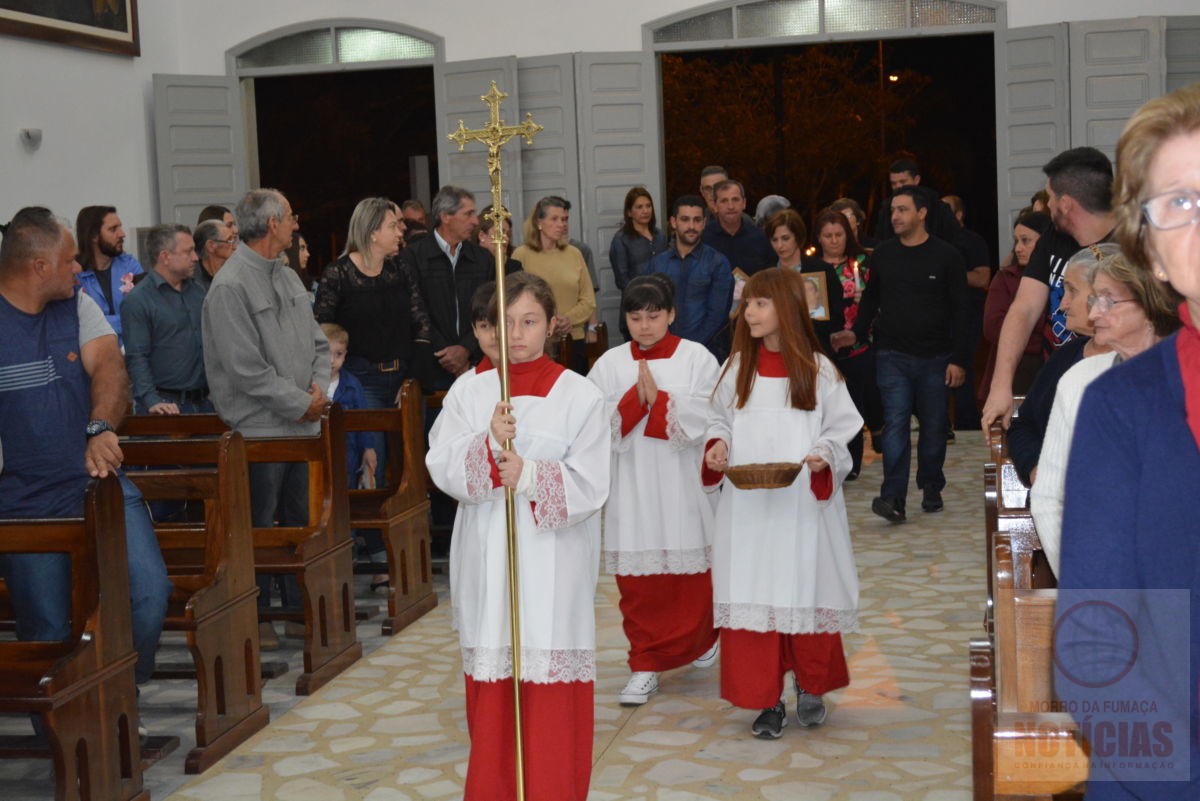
{"x":658,"y":521}
{"x":785,"y":585}
{"x":559,"y":467}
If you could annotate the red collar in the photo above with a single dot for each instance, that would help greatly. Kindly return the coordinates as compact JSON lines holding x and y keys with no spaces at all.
{"x":1187,"y":347}
{"x":534,"y":378}
{"x":484,"y":365}
{"x":663,"y":349}
{"x":770,"y":363}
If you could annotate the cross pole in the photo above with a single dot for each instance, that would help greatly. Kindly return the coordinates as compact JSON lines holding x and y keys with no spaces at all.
{"x":495,"y":135}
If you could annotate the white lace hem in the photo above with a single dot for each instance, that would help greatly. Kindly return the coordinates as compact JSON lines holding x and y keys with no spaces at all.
{"x":760,"y":617}
{"x":537,"y":665}
{"x":479,"y":469}
{"x":550,"y":495}
{"x":651,"y":563}
{"x":620,"y":444}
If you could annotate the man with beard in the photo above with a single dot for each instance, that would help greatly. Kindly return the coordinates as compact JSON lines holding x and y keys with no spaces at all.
{"x":702,"y":276}
{"x":108,"y":270}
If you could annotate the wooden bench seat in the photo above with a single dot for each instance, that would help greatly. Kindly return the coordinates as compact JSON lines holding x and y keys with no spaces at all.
{"x":83,"y":688}
{"x":400,"y":510}
{"x":319,"y":553}
{"x":211,"y":563}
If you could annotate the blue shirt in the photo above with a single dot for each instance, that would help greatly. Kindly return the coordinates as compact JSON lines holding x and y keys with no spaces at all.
{"x":45,"y":403}
{"x":163,"y":346}
{"x":703,"y":290}
{"x":123,"y":265}
{"x":349,"y":394}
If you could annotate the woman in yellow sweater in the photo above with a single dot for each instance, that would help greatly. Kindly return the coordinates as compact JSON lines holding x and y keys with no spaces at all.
{"x":546,"y":254}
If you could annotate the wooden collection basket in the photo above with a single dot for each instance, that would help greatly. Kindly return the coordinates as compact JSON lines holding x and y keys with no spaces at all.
{"x":769,"y":475}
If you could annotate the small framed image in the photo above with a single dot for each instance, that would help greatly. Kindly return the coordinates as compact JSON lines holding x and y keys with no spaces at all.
{"x":816,"y":293}
{"x":107,"y":25}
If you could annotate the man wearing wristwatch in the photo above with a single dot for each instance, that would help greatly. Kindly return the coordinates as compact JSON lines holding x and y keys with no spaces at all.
{"x":63,"y":391}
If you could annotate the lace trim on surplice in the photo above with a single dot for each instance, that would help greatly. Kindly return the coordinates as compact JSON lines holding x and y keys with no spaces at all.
{"x":761,"y":617}
{"x":550,"y":495}
{"x":537,"y":665}
{"x":657,"y":562}
{"x":479,"y":468}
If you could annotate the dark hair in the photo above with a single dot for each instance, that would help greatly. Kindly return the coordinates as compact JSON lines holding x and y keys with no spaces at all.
{"x":843,"y":203}
{"x":481,"y":302}
{"x":206,"y":231}
{"x":213,"y":212}
{"x":920,"y":199}
{"x":412,"y":203}
{"x":854,"y":248}
{"x":687,"y":200}
{"x":714,"y":169}
{"x":653,"y":292}
{"x":631,"y":197}
{"x":517,"y":284}
{"x":1085,"y":174}
{"x":955,"y":203}
{"x":163,"y":237}
{"x":33,"y":231}
{"x":1035,"y":221}
{"x":904,"y":165}
{"x":87,"y":227}
{"x":728,"y":182}
{"x":791,"y":220}
{"x":293,"y":258}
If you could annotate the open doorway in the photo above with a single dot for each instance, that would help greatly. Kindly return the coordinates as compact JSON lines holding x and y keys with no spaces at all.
{"x":815,"y":122}
{"x":328,"y":140}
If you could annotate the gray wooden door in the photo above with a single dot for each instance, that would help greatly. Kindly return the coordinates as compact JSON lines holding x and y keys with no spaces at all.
{"x":201,"y":144}
{"x":1032,"y":118}
{"x":550,"y":166}
{"x":1116,"y":66}
{"x":1182,"y":52}
{"x":458,"y":87}
{"x":620,"y":147}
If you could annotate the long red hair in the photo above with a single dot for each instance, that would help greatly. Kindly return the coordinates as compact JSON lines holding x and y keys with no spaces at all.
{"x":798,"y":342}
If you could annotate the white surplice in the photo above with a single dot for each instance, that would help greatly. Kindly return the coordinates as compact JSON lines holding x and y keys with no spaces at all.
{"x":562,"y":428}
{"x":658,"y":518}
{"x":783,"y":560}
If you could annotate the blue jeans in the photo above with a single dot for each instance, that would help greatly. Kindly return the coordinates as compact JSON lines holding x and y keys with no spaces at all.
{"x":909,"y":384}
{"x":40,"y":586}
{"x":379,"y":392}
{"x":278,"y":494}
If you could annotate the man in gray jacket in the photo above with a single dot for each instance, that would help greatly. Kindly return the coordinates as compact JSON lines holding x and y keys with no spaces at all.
{"x":267,"y":361}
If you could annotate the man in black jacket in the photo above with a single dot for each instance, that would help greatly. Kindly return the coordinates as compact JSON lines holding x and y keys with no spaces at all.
{"x":449,"y":268}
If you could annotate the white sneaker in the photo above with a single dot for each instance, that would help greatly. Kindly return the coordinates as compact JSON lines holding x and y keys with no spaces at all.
{"x":708,"y":658}
{"x":639,"y":688}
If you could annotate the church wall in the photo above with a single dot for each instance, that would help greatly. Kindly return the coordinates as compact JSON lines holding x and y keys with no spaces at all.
{"x":95,"y":108}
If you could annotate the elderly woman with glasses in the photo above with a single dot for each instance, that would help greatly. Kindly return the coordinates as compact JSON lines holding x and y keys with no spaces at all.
{"x":1129,"y":312}
{"x":1129,"y":579}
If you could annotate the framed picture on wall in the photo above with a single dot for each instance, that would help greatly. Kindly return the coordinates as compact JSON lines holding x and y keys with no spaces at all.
{"x":817,"y":295}
{"x":108,"y":25}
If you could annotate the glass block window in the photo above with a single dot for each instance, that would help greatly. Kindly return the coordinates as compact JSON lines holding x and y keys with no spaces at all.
{"x":779,"y":18}
{"x":306,"y":47}
{"x":848,"y":16}
{"x":706,"y":27}
{"x":369,"y":44}
{"x":929,"y":13}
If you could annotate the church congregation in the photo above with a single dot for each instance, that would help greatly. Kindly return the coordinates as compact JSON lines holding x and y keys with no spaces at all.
{"x":296,"y":477}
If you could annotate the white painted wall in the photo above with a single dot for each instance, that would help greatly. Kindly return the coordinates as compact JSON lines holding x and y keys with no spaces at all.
{"x":95,"y":112}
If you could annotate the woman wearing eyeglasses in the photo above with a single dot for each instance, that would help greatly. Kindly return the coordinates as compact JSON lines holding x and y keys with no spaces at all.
{"x":1130,"y":517}
{"x":1129,"y":312}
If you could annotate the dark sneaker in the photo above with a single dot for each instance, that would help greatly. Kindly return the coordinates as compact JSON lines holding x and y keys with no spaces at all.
{"x":889,"y":509}
{"x":950,"y":436}
{"x":932,"y":502}
{"x":770,"y":722}
{"x":810,"y":709}
{"x":852,"y":475}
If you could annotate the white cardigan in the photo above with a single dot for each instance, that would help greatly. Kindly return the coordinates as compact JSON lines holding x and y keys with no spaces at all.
{"x":1046,"y":496}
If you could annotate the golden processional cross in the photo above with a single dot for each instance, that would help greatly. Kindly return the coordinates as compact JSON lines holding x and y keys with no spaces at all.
{"x":495,"y":135}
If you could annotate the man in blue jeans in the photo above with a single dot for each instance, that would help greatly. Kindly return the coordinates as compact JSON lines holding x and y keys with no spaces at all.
{"x":917,"y":300}
{"x":63,"y":391}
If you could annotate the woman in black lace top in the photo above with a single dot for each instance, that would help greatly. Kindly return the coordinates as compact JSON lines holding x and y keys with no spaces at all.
{"x":377,"y":300}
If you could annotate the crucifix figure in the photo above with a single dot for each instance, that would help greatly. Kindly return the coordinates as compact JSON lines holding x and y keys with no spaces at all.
{"x":495,"y":135}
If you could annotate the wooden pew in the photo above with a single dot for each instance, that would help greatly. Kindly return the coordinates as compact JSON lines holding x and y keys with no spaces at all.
{"x":319,"y":553}
{"x":84,"y":687}
{"x":211,"y":564}
{"x":566,"y":347}
{"x":1021,"y":747}
{"x":399,"y":511}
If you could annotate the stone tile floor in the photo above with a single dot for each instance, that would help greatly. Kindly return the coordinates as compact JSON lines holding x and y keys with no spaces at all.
{"x":392,"y":727}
